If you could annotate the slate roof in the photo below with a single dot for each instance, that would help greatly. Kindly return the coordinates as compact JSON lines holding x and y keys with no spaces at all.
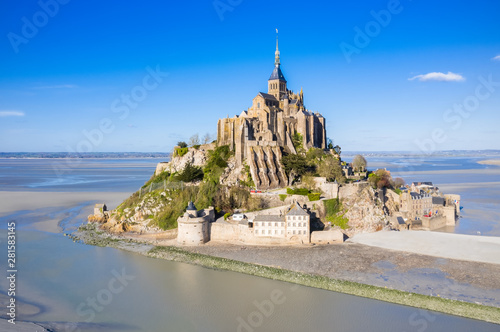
{"x":268,"y":96}
{"x":438,"y":200}
{"x":191,"y":206}
{"x":272,"y":217}
{"x":296,"y":210}
{"x":277,"y":74}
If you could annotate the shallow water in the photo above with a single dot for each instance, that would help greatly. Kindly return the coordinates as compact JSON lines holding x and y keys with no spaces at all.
{"x":64,"y":278}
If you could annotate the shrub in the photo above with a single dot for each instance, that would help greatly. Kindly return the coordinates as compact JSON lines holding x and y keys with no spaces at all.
{"x":283,"y":197}
{"x":333,"y":209}
{"x":180,"y":151}
{"x":226,"y":215}
{"x":190,"y":173}
{"x":297,"y":191}
{"x":197,"y":146}
{"x":314,"y":196}
{"x":182,"y":144}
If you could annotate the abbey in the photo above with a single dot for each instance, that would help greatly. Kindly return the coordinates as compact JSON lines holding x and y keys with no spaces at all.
{"x":261,"y":134}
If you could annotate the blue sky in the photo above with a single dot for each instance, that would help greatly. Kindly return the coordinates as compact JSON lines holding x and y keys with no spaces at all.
{"x":415,"y":79}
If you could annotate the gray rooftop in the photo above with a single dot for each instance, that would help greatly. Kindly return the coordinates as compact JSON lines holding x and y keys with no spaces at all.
{"x":191,"y":206}
{"x":277,"y":74}
{"x":272,"y":217}
{"x":438,"y":200}
{"x":296,"y":210}
{"x":268,"y":96}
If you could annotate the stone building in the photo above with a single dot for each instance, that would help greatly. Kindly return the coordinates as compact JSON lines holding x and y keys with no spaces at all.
{"x":294,"y":225}
{"x":415,"y":205}
{"x":193,"y":226}
{"x":260,"y":134}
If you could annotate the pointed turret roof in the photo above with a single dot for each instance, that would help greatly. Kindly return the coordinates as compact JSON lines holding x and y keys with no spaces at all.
{"x":191,"y":206}
{"x":277,"y":74}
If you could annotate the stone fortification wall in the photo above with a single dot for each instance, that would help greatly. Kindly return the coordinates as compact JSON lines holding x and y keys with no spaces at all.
{"x":193,"y":232}
{"x":352,"y":189}
{"x":327,"y":237}
{"x":224,"y":232}
{"x":433,"y":223}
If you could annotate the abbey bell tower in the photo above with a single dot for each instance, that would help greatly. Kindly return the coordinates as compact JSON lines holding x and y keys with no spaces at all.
{"x":277,"y":81}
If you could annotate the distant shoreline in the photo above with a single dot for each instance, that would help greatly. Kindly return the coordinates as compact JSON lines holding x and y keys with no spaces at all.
{"x":494,"y":162}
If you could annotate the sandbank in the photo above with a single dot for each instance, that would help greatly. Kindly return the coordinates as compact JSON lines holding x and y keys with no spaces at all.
{"x":495,"y":162}
{"x":484,"y":249}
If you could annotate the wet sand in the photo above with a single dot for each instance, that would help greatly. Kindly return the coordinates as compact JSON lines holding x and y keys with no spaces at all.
{"x":495,"y":162}
{"x":13,"y":201}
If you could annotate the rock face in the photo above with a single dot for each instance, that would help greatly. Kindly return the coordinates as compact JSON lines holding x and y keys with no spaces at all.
{"x":365,"y":210}
{"x":138,"y":219}
{"x":197,"y":157}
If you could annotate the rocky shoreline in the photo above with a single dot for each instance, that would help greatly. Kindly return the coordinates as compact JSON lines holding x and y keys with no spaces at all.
{"x":347,"y":268}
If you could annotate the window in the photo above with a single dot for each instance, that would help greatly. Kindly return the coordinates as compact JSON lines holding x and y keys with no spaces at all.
{"x":268,"y":231}
{"x":293,"y":232}
{"x":294,"y":224}
{"x":258,"y":105}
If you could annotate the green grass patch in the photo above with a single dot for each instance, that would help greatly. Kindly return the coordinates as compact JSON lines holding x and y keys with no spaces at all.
{"x":180,"y":152}
{"x":297,"y":191}
{"x":314,"y":196}
{"x":334,"y":213}
{"x":283,"y":197}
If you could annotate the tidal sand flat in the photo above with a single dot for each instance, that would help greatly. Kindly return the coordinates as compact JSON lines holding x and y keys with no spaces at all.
{"x":13,"y":201}
{"x":495,"y":162}
{"x":483,"y":249}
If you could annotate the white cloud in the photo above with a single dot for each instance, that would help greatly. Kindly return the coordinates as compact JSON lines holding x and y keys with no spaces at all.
{"x":438,"y":76}
{"x":11,"y":113}
{"x":497,"y":58}
{"x":62,"y":86}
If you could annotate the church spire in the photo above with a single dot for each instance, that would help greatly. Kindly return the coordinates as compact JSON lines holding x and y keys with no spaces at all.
{"x":277,"y":53}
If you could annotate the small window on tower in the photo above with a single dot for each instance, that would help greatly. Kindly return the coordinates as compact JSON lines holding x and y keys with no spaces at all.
{"x":258,"y":105}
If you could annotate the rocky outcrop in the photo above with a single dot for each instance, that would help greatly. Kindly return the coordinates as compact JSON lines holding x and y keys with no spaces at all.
{"x":233,"y":173}
{"x":365,"y":210}
{"x":195,"y":157}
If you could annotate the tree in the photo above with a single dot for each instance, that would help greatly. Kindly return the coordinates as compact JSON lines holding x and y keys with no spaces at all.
{"x":330,"y":168}
{"x":190,"y":173}
{"x":359,"y":163}
{"x":207,"y":138}
{"x":182,"y":144}
{"x":194,"y":140}
{"x":314,"y":154}
{"x":294,"y":165}
{"x":297,"y":140}
{"x":398,"y":183}
{"x":337,"y":149}
{"x":381,"y":178}
{"x":329,"y":143}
